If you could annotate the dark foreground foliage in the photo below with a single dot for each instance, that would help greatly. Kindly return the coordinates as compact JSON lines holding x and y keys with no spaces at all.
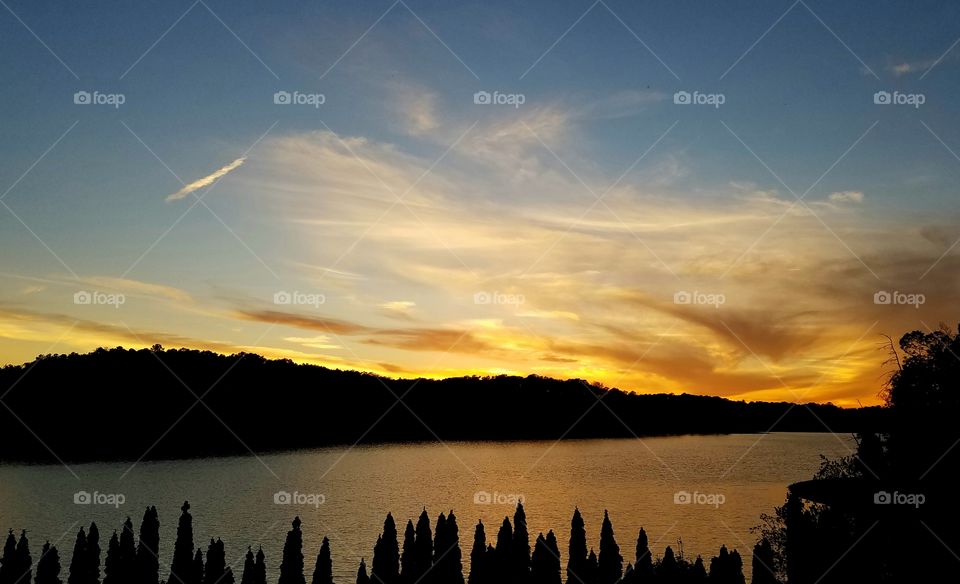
{"x":428,"y":557}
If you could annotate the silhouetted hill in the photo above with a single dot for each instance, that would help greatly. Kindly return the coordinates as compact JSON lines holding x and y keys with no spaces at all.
{"x":114,"y":404}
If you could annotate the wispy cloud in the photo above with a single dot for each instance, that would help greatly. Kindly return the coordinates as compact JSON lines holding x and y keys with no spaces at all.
{"x":207,"y":180}
{"x":846,"y":197}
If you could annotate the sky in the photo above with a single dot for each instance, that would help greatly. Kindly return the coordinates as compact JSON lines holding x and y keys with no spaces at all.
{"x":735,"y":199}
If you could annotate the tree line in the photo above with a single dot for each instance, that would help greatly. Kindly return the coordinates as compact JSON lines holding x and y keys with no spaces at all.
{"x":68,"y":395}
{"x":429,"y":554}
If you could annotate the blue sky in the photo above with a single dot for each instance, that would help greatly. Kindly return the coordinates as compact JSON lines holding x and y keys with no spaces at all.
{"x":493,"y":198}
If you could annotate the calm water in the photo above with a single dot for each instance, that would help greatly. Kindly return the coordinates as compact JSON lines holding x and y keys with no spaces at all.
{"x":233,"y":498}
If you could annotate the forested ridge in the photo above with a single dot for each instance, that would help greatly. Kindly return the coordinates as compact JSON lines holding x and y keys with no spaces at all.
{"x":114,"y":404}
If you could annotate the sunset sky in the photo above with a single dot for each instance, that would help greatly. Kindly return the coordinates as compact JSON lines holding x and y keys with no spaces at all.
{"x":420,"y":233}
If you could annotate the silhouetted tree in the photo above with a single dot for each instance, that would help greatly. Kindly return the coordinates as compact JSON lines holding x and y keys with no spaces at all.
{"x":668,"y":569}
{"x":726,"y":567}
{"x":92,"y":555}
{"x":545,"y":561}
{"x":479,"y":565}
{"x":182,"y":567}
{"x":520,"y":560}
{"x":592,"y":569}
{"x":291,"y":566}
{"x":249,"y":574}
{"x":48,"y":565}
{"x":362,"y":577}
{"x":214,"y":571}
{"x":148,"y":549}
{"x":577,"y":549}
{"x":423,"y":557}
{"x":610,"y":562}
{"x":127,"y":560}
{"x":78,"y":572}
{"x":643,"y":568}
{"x":504,"y":553}
{"x":409,"y":556}
{"x":385,"y":567}
{"x":24,"y":561}
{"x":8,"y":560}
{"x":448,"y":559}
{"x":260,"y":569}
{"x":323,"y":572}
{"x":196,"y":567}
{"x":111,"y":566}
{"x":763,"y":563}
{"x":698,"y":574}
{"x":439,"y":546}
{"x":16,"y":563}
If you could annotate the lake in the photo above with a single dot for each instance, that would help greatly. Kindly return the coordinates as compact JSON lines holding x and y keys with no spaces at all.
{"x":344,"y":493}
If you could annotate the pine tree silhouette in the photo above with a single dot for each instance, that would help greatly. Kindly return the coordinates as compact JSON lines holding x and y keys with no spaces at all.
{"x":260,"y":569}
{"x":92,"y":556}
{"x":726,"y":567}
{"x":291,"y":566}
{"x":9,"y":560}
{"x":628,"y":576}
{"x":248,"y":576}
{"x":610,"y":562}
{"x":520,"y":547}
{"x":698,"y":574}
{"x":196,"y":567}
{"x":385,"y":568}
{"x":148,"y":549}
{"x":77,"y":561}
{"x":127,"y":560}
{"x":48,"y":566}
{"x":668,"y":570}
{"x":409,"y":556}
{"x":323,"y":572}
{"x":111,"y":566}
{"x":228,"y":576}
{"x":504,"y":555}
{"x":440,"y":546}
{"x":362,"y":577}
{"x":447,"y":563}
{"x":592,"y":569}
{"x":216,"y":567}
{"x":643,"y":569}
{"x":545,"y":562}
{"x":24,"y":562}
{"x":423,"y":546}
{"x":577,"y":550}
{"x":763,"y":563}
{"x":182,"y":567}
{"x":479,"y":570}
